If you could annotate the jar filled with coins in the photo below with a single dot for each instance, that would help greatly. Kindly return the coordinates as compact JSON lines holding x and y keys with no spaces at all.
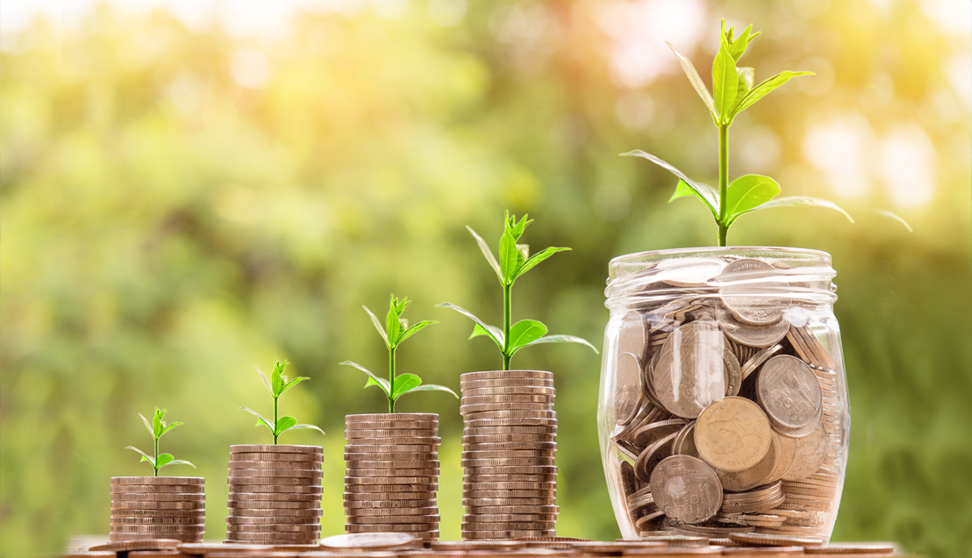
{"x":723,"y":401}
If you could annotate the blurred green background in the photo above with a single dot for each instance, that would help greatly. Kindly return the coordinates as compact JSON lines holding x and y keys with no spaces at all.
{"x":184,"y":199}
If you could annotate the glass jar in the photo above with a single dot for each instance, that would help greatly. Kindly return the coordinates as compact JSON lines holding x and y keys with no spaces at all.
{"x":723,"y":402}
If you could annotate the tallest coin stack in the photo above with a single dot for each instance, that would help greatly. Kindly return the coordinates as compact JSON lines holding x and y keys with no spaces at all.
{"x":510,"y":482}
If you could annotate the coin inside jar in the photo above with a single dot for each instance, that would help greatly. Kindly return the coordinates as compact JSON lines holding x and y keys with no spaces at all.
{"x":791,"y":394}
{"x":733,"y":434}
{"x":686,"y":489}
{"x":629,"y":394}
{"x":743,"y":291}
{"x":690,"y":373}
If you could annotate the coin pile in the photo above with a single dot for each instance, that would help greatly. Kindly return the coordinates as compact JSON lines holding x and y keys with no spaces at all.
{"x":158,"y":508}
{"x":727,"y":405}
{"x":392,"y":474}
{"x":510,"y":482}
{"x":274,"y":494}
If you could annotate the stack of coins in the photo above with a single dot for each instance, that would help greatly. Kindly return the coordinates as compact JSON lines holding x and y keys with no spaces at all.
{"x":274,"y":494}
{"x":510,"y":482}
{"x":392,"y":474}
{"x":158,"y":508}
{"x":727,"y":406}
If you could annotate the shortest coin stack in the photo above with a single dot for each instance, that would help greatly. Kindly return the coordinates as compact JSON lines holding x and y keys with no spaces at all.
{"x":509,"y":440}
{"x":158,"y":508}
{"x":392,"y":474}
{"x":274,"y":494}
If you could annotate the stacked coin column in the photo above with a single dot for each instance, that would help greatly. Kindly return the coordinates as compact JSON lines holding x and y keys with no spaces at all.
{"x":509,"y":439}
{"x":274,"y":494}
{"x":392,"y":474}
{"x":158,"y":508}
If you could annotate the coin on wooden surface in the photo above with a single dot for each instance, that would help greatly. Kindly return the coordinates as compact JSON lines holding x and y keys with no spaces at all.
{"x":147,"y":544}
{"x":762,"y":539}
{"x":791,"y":394}
{"x":733,"y":434}
{"x":686,"y":489}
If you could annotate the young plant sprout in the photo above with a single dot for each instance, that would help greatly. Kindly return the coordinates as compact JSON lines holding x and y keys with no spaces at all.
{"x":395,"y":332}
{"x":277,"y":385}
{"x":733,"y":92}
{"x":514,"y":261}
{"x":157,"y":428}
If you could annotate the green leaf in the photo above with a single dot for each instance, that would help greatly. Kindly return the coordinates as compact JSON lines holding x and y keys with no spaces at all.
{"x":747,"y":192}
{"x":293,"y":383}
{"x":710,"y":199}
{"x":306,"y":427}
{"x":164,"y":459}
{"x":415,"y":329}
{"x":260,"y":419}
{"x":277,"y":379}
{"x":284,"y":424}
{"x":508,"y":254}
{"x":724,"y":82}
{"x":696,"y":81}
{"x":482,"y":328}
{"x":561,"y":339}
{"x":894,"y":216}
{"x":266,"y":382}
{"x":145,"y":456}
{"x":377,"y":323}
{"x":170,"y":427}
{"x":514,"y":228}
{"x":746,"y":78}
{"x":405,"y":383}
{"x":537,"y":258}
{"x":157,"y":425}
{"x":765,"y":88}
{"x":739,"y":46}
{"x":372,"y":379}
{"x":148,"y":425}
{"x":488,"y":253}
{"x":524,"y":332}
{"x":179,"y":462}
{"x":393,"y":321}
{"x":800,"y":201}
{"x":433,"y":387}
{"x":705,"y":193}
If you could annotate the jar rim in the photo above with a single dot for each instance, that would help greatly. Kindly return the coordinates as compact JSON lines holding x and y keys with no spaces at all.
{"x":823,"y":257}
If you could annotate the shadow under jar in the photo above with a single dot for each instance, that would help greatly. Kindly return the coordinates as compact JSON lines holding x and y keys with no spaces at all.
{"x":723,"y":401}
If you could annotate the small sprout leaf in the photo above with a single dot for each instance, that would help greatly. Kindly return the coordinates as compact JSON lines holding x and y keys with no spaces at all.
{"x":765,"y":88}
{"x":800,"y":201}
{"x":488,"y":254}
{"x":741,"y":43}
{"x":284,"y":424}
{"x":145,"y":456}
{"x":180,"y":462}
{"x":148,"y":425}
{"x":537,"y":258}
{"x":509,"y":255}
{"x":749,"y":191}
{"x":266,"y":382}
{"x":306,"y":427}
{"x":260,"y":419}
{"x":374,"y":320}
{"x":415,"y":329}
{"x":524,"y":332}
{"x":164,"y":459}
{"x":277,"y":379}
{"x":696,"y":81}
{"x":373,"y":380}
{"x":481,"y":328}
{"x":405,"y":383}
{"x":895,"y":217}
{"x":708,"y":195}
{"x":293,"y":383}
{"x":393,"y":321}
{"x":170,"y":427}
{"x":724,"y":82}
{"x":433,"y":387}
{"x":562,"y":339}
{"x":747,"y":77}
{"x":157,"y":425}
{"x":710,"y":198}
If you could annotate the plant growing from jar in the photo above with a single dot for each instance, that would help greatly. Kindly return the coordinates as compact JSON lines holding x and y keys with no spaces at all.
{"x":513,"y":262}
{"x":277,"y":385}
{"x":158,"y":428}
{"x":395,"y":331}
{"x":733,"y":91}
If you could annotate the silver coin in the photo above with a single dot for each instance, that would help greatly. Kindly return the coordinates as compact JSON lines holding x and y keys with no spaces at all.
{"x":686,"y":489}
{"x":789,"y":392}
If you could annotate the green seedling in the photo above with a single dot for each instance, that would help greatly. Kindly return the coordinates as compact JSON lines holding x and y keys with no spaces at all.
{"x":733,"y":92}
{"x":157,"y":428}
{"x":514,"y":261}
{"x":277,"y":385}
{"x":394,"y":333}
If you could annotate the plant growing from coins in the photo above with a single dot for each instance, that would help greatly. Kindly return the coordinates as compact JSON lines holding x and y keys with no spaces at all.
{"x":394,"y":333}
{"x":514,"y":261}
{"x":277,"y":385}
{"x":158,"y":428}
{"x":733,"y":92}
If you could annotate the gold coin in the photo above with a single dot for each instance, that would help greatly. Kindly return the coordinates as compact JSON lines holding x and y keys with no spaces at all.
{"x":510,"y":383}
{"x":506,"y":502}
{"x":154,"y":514}
{"x":146,"y":505}
{"x":508,"y":517}
{"x":517,"y":509}
{"x":278,"y":473}
{"x":273,"y":488}
{"x":513,"y":469}
{"x":272,"y":497}
{"x":505,"y":375}
{"x":385,"y":488}
{"x":508,"y":462}
{"x":266,"y":448}
{"x":508,"y":390}
{"x":273,"y":528}
{"x":158,"y":497}
{"x":759,"y":474}
{"x":354,"y":496}
{"x":395,"y":441}
{"x":503,"y":399}
{"x":291,"y":512}
{"x":392,"y":425}
{"x":277,"y":457}
{"x":393,"y":520}
{"x":470,"y":453}
{"x":810,"y":452}
{"x":394,"y":512}
{"x":276,"y":465}
{"x":270,"y":505}
{"x":293,"y":520}
{"x":499,"y":410}
{"x":383,"y":434}
{"x":191,"y":520}
{"x":158,"y":480}
{"x":474,"y":423}
{"x":732,"y":435}
{"x":240,"y":480}
{"x":157,"y":489}
{"x":393,"y":417}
